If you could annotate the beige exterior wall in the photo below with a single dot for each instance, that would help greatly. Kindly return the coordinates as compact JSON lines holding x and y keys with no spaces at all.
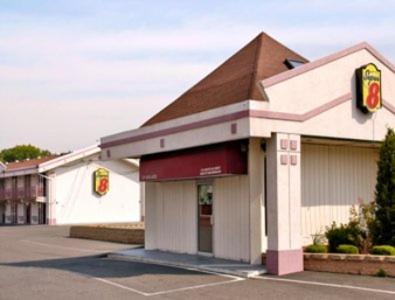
{"x":333,"y":179}
{"x":232,"y":218}
{"x":320,"y":85}
{"x":238,"y":213}
{"x":171,"y":216}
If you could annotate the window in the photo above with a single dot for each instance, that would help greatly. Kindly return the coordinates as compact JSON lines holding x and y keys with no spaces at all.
{"x":293,"y":63}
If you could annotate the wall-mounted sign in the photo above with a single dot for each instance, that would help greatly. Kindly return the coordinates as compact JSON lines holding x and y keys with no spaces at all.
{"x":101,"y":181}
{"x":368,"y":88}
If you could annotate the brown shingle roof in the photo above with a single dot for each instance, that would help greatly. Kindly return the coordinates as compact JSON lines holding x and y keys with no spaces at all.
{"x":233,"y":81}
{"x":26,"y":164}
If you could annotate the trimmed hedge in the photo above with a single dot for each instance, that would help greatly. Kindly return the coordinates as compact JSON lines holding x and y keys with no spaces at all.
{"x":348,"y":249}
{"x":316,"y":249}
{"x":383,"y":250}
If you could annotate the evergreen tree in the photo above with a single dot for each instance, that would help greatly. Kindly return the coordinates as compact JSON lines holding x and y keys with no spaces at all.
{"x":384,"y":232}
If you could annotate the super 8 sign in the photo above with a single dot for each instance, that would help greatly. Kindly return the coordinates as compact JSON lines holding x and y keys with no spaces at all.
{"x":368,"y":88}
{"x":101,"y":181}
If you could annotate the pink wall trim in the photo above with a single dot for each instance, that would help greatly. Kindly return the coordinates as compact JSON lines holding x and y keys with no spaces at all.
{"x":51,"y":221}
{"x":300,"y":117}
{"x":264,"y":114}
{"x":389,"y":106}
{"x":231,"y":117}
{"x":325,"y":60}
{"x":172,"y":130}
{"x":284,"y":262}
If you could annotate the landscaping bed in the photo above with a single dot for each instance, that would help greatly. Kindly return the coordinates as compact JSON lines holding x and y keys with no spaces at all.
{"x":360,"y":264}
{"x":130,"y":233}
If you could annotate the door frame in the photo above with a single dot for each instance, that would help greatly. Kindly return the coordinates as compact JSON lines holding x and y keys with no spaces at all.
{"x":208,"y":181}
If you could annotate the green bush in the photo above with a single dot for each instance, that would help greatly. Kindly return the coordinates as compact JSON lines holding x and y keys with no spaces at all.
{"x":383,"y":250}
{"x":342,"y":235}
{"x":381,"y":273}
{"x":348,"y":249}
{"x":316,"y":248}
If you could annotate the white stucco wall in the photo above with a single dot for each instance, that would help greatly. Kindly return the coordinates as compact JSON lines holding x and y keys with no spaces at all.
{"x":76,"y":202}
{"x":317,"y":87}
{"x":333,"y":179}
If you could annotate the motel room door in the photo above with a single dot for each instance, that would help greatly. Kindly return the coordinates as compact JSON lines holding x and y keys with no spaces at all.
{"x":205,"y":218}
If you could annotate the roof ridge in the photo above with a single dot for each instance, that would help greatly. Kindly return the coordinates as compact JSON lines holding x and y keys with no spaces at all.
{"x":285,"y":46}
{"x":256,"y":60}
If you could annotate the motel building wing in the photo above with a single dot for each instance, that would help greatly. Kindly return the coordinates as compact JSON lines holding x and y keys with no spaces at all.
{"x":263,"y":153}
{"x":73,"y":188}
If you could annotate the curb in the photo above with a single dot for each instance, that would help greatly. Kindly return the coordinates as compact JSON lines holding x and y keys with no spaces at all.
{"x":180,"y":265}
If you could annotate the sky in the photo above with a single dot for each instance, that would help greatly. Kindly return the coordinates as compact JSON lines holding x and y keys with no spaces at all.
{"x":74,"y":71}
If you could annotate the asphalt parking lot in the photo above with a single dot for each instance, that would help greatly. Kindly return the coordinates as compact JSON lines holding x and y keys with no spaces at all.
{"x":41,"y":262}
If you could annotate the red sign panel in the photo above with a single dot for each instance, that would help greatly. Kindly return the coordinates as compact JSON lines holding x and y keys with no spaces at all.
{"x":208,"y":161}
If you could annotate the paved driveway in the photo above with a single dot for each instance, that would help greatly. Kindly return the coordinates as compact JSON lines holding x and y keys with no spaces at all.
{"x":40,"y":262}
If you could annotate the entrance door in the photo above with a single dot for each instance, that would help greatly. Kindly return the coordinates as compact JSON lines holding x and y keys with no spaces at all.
{"x":2,"y":214}
{"x":205,"y":218}
{"x":28,"y":213}
{"x":42,"y":213}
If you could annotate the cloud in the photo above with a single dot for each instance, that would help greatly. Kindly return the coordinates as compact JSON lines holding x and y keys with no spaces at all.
{"x":70,"y":79}
{"x":65,"y":125}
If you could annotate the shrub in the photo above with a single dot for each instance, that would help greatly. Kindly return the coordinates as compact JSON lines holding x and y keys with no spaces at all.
{"x":319,"y":239}
{"x":342,"y":235}
{"x":348,"y":249}
{"x":381,"y":273}
{"x":316,"y":248}
{"x":383,"y":250}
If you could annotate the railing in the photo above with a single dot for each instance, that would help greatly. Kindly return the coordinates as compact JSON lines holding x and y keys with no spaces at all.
{"x":8,"y":194}
{"x":37,"y":191}
{"x":20,"y":193}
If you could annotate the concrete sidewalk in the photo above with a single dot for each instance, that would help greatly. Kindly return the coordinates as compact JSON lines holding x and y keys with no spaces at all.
{"x":196,"y":262}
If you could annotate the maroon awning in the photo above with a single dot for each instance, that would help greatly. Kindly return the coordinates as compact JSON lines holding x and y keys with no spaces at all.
{"x":208,"y":161}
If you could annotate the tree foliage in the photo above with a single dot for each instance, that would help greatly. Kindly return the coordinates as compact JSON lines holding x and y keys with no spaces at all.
{"x":22,"y":152}
{"x":384,"y":232}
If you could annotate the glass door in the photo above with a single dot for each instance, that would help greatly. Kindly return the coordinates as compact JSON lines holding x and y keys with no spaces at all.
{"x":205,"y":218}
